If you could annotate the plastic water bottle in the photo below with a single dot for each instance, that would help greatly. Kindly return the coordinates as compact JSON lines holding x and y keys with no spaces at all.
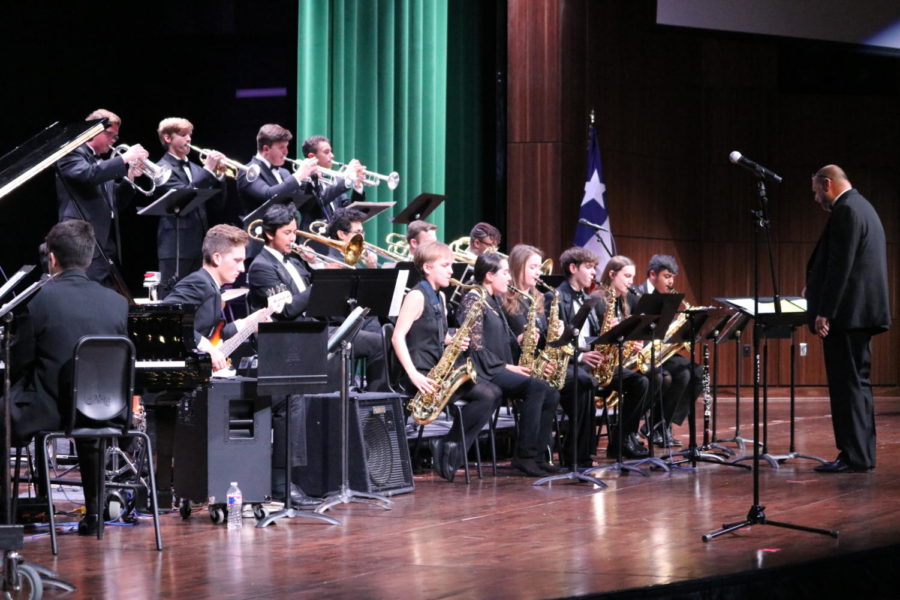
{"x":235,"y":504}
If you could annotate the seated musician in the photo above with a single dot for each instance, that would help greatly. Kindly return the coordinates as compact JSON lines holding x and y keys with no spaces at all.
{"x":491,"y":345}
{"x":483,"y":237}
{"x":175,"y":136}
{"x":676,"y":399}
{"x":68,"y":307}
{"x":419,"y":233}
{"x":618,"y":275}
{"x":223,"y":261}
{"x":419,"y":341}
{"x":343,"y":225}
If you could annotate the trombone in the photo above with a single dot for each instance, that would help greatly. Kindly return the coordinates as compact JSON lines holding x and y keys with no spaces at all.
{"x":398,"y":245}
{"x":158,"y":174}
{"x":349,"y":249}
{"x":228,"y":166}
{"x":374,"y":179}
{"x":321,"y":227}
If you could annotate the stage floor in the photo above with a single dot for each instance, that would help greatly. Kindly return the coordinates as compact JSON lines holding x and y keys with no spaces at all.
{"x":502,"y":538}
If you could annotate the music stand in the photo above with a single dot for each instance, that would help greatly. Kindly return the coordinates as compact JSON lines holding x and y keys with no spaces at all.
{"x":370,"y":209}
{"x":342,"y":339}
{"x":336,"y":292}
{"x":632,"y":328}
{"x":756,"y":515}
{"x":688,"y":333}
{"x":418,"y":208}
{"x":570,"y":336}
{"x":291,"y":362}
{"x":177,"y":203}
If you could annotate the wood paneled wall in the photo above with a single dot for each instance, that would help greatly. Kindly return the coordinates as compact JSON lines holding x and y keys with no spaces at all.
{"x":670,"y":106}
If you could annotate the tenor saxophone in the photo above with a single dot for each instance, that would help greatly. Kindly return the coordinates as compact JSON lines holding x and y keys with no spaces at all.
{"x":425,"y":408}
{"x":606,"y":370}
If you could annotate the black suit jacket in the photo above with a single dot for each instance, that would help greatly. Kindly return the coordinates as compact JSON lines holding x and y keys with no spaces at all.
{"x":200,"y":290}
{"x":267,"y":272}
{"x":254,"y":193}
{"x":86,"y":178}
{"x":325,"y":200}
{"x":192,"y":227}
{"x":67,"y":308}
{"x":846,"y":277}
{"x":566,"y":307}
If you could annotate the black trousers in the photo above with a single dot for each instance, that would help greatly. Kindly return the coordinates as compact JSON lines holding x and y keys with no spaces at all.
{"x":848,"y":361}
{"x":681,"y":391}
{"x":635,"y":387}
{"x":537,"y":411}
{"x":481,"y":400}
{"x":581,"y":409}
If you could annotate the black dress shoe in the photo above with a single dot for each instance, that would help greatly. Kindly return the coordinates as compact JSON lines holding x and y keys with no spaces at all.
{"x":839,"y":466}
{"x":89,"y":525}
{"x":527,"y":466}
{"x":546,"y":467}
{"x":299,"y":499}
{"x":634,"y":448}
{"x":449,"y":461}
{"x":437,"y":457}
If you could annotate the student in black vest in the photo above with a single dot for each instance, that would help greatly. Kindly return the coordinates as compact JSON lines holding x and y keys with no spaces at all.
{"x":419,"y":340}
{"x":491,"y":347}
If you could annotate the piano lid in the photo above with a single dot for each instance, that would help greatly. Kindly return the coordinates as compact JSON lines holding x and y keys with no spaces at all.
{"x":39,"y":152}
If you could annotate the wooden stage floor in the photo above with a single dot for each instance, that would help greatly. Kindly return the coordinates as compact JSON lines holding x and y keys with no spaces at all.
{"x":502,"y":538}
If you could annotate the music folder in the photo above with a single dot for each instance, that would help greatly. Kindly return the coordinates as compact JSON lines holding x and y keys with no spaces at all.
{"x":336,"y":292}
{"x":418,"y":208}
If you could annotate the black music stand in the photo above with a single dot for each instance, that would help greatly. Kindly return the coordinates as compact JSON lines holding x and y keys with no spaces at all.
{"x":756,"y":515}
{"x":177,"y":203}
{"x":342,"y":339}
{"x":570,"y":336}
{"x":370,"y":209}
{"x":634,"y":327}
{"x":418,"y":208}
{"x":688,"y":333}
{"x":291,"y":362}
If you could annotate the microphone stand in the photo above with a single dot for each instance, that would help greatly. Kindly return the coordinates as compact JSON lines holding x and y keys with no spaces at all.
{"x":756,"y":515}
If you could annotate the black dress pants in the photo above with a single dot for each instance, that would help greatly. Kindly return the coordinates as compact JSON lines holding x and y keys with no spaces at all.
{"x":848,"y":361}
{"x":583,"y":411}
{"x":537,"y":411}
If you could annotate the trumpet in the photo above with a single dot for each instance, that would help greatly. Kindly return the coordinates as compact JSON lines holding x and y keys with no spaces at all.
{"x":326,"y":176}
{"x":254,"y":230}
{"x":372,"y":178}
{"x":228,"y":166}
{"x":158,"y":174}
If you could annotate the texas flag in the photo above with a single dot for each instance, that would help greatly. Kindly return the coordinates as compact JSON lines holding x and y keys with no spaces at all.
{"x":593,"y":208}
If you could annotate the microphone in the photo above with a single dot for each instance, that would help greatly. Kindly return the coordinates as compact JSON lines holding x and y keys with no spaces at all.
{"x":587,"y":223}
{"x":739,"y":159}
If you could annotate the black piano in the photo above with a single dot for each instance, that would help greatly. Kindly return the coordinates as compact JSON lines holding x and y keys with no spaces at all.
{"x":163,"y":337}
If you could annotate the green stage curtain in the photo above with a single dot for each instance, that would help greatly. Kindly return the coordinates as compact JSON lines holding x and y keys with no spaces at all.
{"x":372,"y":77}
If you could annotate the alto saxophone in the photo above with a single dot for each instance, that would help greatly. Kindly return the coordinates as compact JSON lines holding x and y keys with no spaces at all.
{"x":530,"y":335}
{"x":663,"y":351}
{"x":606,"y":370}
{"x":425,"y":408}
{"x":560,"y":356}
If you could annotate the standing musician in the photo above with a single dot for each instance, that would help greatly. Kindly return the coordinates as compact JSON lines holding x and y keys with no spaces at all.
{"x":95,"y":189}
{"x":420,"y":336}
{"x":223,"y":261}
{"x":272,"y":142}
{"x":68,"y":307}
{"x":328,"y":198}
{"x":175,"y":136}
{"x":491,"y":345}
{"x":618,"y":275}
{"x":419,"y":233}
{"x":676,"y":398}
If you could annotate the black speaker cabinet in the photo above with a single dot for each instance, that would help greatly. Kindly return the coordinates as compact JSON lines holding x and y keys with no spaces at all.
{"x":378,"y":451}
{"x":223,"y":433}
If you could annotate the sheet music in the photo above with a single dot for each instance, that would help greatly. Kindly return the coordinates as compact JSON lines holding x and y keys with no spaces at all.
{"x":399,"y":292}
{"x":788,"y":305}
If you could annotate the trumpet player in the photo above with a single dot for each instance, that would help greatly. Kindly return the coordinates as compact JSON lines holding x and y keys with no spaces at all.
{"x":187,"y":241}
{"x":94,"y":189}
{"x":419,"y":339}
{"x":328,"y":198}
{"x":272,"y":144}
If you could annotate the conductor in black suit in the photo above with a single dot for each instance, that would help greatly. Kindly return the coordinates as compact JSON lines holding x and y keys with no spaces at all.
{"x":175,"y":136}
{"x":67,"y":308}
{"x":847,"y":294}
{"x":95,"y":189}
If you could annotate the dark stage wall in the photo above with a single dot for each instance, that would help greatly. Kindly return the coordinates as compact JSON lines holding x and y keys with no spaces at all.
{"x":671,"y":104}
